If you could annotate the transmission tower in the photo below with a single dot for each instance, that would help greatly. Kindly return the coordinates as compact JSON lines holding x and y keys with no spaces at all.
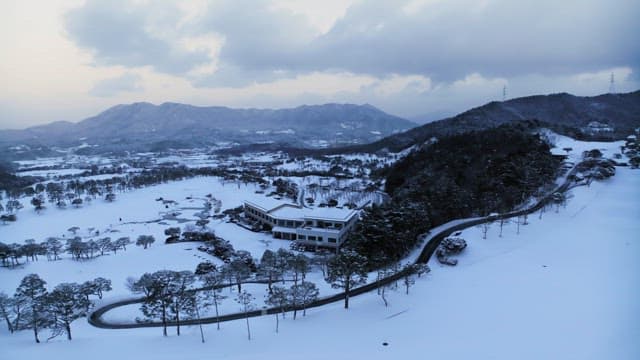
{"x":504,"y":93}
{"x":612,"y":85}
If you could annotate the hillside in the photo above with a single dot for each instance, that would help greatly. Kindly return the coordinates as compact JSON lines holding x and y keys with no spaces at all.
{"x":567,"y":114}
{"x":183,"y":125}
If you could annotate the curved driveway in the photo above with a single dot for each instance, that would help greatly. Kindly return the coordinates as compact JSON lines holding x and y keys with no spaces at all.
{"x":95,"y":318}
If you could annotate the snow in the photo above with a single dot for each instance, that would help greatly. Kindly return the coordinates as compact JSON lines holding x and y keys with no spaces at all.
{"x":566,"y":287}
{"x":578,"y":147}
{"x":324,"y":213}
{"x":51,"y":173}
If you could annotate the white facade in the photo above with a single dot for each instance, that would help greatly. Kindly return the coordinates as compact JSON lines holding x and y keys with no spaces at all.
{"x":324,"y":227}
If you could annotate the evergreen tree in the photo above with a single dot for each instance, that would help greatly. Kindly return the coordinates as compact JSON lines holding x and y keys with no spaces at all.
{"x":245,"y":300}
{"x":53,"y":247}
{"x":66,"y":303}
{"x":279,"y":298}
{"x":6,"y":306}
{"x":145,"y":240}
{"x":304,"y":293}
{"x":269,"y":268}
{"x":240,"y":271}
{"x":183,"y":298}
{"x":346,"y":270}
{"x":33,"y":295}
{"x":213,"y":281}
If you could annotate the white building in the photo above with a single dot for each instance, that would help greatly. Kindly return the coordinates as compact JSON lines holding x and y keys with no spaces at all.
{"x":324,"y":227}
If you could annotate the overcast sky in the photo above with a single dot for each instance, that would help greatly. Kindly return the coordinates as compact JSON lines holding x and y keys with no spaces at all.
{"x":70,"y":59}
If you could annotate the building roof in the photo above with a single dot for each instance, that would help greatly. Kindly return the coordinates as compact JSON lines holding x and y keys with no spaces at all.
{"x":266,"y":203}
{"x":328,"y":213}
{"x":283,"y":210}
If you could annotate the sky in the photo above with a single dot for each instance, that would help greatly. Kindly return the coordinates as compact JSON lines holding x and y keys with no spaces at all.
{"x":71,"y":59}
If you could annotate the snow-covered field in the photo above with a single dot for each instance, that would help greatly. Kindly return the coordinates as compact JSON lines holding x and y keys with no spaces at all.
{"x":566,"y":287}
{"x":132,"y":214}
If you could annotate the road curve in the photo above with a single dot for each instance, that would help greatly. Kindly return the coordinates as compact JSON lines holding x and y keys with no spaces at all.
{"x":95,"y":318}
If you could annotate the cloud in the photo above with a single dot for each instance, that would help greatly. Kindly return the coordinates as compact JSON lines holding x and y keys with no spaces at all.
{"x":262,"y":41}
{"x":132,"y":35}
{"x":127,"y":82}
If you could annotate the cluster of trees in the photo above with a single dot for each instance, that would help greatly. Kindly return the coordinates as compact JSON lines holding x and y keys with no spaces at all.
{"x":34,"y":308}
{"x":8,"y":211}
{"x":460,"y":176}
{"x":169,"y":296}
{"x":13,"y":184}
{"x":52,"y":248}
{"x":77,"y":192}
{"x":285,"y":188}
{"x":173,"y":296}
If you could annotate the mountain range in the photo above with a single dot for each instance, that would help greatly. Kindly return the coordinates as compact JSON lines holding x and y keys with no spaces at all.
{"x":184,"y":125}
{"x":336,"y":127}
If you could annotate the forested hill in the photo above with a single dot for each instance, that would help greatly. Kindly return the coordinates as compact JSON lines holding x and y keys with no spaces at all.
{"x":565,"y":113}
{"x":459,"y":176}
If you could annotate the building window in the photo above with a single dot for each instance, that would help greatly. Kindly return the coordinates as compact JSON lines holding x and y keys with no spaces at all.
{"x":312,"y":238}
{"x":332,"y":240}
{"x":302,"y":237}
{"x":319,"y":238}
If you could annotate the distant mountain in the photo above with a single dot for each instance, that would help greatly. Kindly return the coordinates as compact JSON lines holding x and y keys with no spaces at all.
{"x":180,"y":125}
{"x":603,"y":117}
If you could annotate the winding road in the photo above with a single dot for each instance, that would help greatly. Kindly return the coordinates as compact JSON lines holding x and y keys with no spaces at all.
{"x":95,"y":318}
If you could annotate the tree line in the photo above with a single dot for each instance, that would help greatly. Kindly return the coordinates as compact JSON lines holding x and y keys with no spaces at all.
{"x":76,"y":247}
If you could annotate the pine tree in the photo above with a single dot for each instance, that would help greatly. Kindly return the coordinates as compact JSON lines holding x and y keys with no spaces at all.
{"x":299,"y":264}
{"x":269,"y":267}
{"x":66,"y":303}
{"x":279,"y":298}
{"x":213,"y":280}
{"x":245,"y":300}
{"x":304,"y":293}
{"x":145,"y":240}
{"x":183,"y":299}
{"x":33,"y":294}
{"x":155,"y":287}
{"x":6,"y":305}
{"x":346,"y":270}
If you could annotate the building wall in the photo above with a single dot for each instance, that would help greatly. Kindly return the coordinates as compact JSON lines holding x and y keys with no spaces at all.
{"x":310,"y":231}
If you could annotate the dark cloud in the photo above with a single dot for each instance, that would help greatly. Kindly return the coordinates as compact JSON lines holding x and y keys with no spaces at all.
{"x":127,"y":82}
{"x":448,"y":40}
{"x":444,"y":40}
{"x":118,"y":34}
